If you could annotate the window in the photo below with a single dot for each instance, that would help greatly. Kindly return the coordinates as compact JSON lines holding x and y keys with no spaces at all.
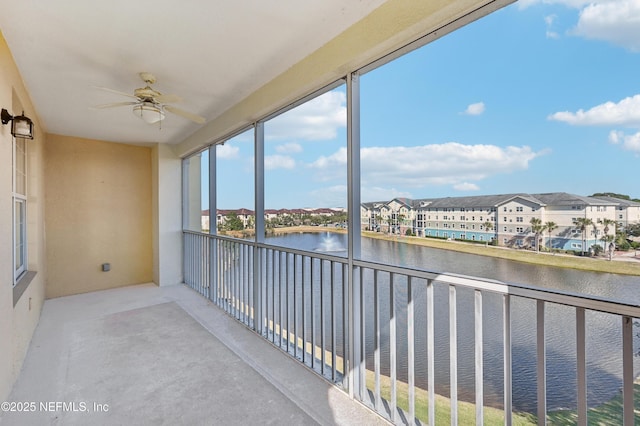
{"x":519,"y":209}
{"x":519,"y":219}
{"x":519,"y":229}
{"x":19,"y":208}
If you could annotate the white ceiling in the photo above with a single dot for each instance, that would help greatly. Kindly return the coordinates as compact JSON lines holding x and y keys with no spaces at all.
{"x":210,"y":53}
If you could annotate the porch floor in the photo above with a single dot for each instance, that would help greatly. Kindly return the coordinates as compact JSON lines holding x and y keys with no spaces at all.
{"x":165,"y":355}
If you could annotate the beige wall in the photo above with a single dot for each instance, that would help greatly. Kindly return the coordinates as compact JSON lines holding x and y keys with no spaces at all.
{"x":98,"y":211}
{"x":18,"y":322}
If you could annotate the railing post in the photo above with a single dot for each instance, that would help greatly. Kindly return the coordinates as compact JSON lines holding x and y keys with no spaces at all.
{"x":479,"y":363}
{"x":453,"y":355}
{"x":355,"y":325}
{"x":541,"y":363}
{"x":506,"y":314}
{"x":627,"y":371}
{"x":431,"y":350}
{"x":259,"y":224}
{"x":581,"y":366}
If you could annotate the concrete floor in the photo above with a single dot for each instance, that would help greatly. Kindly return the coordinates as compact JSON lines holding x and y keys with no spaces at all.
{"x":145,"y":355}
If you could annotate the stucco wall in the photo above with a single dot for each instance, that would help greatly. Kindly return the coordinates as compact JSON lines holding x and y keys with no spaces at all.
{"x":98,"y":211}
{"x":18,"y":322}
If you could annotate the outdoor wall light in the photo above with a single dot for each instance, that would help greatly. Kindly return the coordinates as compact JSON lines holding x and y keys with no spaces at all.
{"x":21,"y":126}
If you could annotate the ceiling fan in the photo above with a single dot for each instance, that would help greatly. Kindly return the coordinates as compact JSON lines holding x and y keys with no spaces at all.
{"x":150,"y":105}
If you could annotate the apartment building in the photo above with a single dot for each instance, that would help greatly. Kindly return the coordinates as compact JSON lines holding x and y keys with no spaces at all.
{"x":505,"y":219}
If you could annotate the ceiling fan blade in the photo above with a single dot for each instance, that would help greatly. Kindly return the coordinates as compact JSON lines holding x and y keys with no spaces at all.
{"x":168,"y":99}
{"x":185,"y":114}
{"x":116,"y":92}
{"x":116,"y":104}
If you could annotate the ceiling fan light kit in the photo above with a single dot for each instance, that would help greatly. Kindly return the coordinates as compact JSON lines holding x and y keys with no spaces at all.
{"x":149,"y":112}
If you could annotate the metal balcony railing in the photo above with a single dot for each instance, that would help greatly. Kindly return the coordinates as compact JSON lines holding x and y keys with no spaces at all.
{"x":357,"y":323}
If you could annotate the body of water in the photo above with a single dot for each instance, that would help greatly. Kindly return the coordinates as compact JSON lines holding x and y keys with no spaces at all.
{"x":604,"y":337}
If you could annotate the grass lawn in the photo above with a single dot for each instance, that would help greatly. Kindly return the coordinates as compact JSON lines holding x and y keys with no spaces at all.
{"x":466,"y":410}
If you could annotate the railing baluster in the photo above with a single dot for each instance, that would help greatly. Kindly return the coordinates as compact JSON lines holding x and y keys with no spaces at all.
{"x":453,"y":355}
{"x":362,"y":342}
{"x":333,"y":324}
{"x":392,"y":349}
{"x":280,"y":322}
{"x":581,"y":364}
{"x":431,"y":369}
{"x":286,"y":309}
{"x":627,"y":371}
{"x":295,"y":305}
{"x":506,"y":339}
{"x":479,"y":357}
{"x":541,"y":370}
{"x":376,"y":341}
{"x":411,"y":352}
{"x":313,"y":317}
{"x":303,"y":306}
{"x":322,"y":327}
{"x":345,"y":328}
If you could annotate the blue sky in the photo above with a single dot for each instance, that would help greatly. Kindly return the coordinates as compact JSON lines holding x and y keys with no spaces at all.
{"x":541,"y":96}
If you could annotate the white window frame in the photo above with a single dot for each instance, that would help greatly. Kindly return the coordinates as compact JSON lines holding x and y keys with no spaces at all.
{"x":19,"y":224}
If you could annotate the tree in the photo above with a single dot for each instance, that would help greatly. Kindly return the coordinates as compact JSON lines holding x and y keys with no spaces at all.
{"x":582,"y":223}
{"x":633,"y":230}
{"x":550,"y":227}
{"x":608,"y":239}
{"x":537,"y":228}
{"x":378,"y":222}
{"x":606,"y":222}
{"x":233,"y":222}
{"x":488,"y":226}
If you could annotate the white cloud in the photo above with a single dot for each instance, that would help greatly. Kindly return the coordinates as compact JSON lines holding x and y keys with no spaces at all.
{"x":333,"y":196}
{"x":377,"y":193}
{"x":614,"y":21}
{"x":573,"y":4}
{"x":227,"y":152}
{"x":318,"y":119}
{"x":549,"y":20}
{"x":466,"y":186}
{"x":624,"y":113}
{"x":442,"y":164}
{"x":629,"y":142}
{"x":617,"y":22}
{"x":272,"y":162}
{"x":289,"y":148}
{"x":475,"y":109}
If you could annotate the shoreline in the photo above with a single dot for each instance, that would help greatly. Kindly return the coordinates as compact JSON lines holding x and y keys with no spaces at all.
{"x":624,"y":265}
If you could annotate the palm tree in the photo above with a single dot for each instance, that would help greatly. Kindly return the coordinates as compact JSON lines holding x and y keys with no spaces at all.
{"x":608,"y":239}
{"x":537,"y":227}
{"x":550,"y":226}
{"x":582,"y":223}
{"x":606,"y":223}
{"x":488,"y":226}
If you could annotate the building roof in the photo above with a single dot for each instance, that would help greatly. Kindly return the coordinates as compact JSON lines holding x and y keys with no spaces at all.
{"x":618,"y":201}
{"x":488,"y":201}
